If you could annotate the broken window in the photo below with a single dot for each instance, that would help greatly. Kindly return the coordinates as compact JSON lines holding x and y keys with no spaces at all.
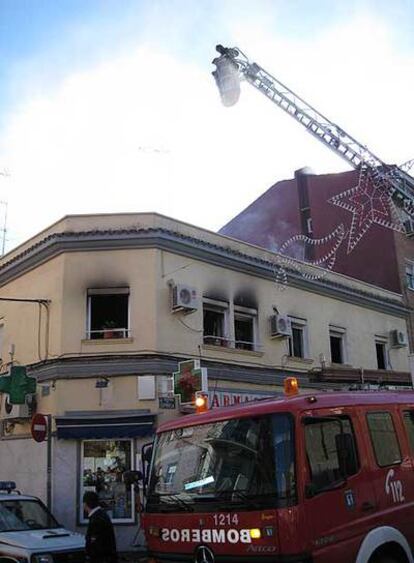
{"x":108,"y":313}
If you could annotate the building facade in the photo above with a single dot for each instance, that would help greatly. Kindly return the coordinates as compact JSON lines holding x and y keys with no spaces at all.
{"x":301,"y":206}
{"x":125,"y":299}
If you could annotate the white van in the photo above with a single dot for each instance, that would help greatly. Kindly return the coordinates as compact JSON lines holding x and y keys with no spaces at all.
{"x":30,"y":534}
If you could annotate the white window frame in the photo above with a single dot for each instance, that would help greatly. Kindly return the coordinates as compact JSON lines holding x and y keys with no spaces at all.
{"x":339,"y":332}
{"x":107,"y":291}
{"x":409,"y":270}
{"x":301,"y":324}
{"x":247,"y":313}
{"x":219,"y":307}
{"x":115,"y":521}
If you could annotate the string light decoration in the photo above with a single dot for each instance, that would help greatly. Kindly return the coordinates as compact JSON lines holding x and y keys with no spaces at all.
{"x":370,"y":202}
{"x":301,"y":245}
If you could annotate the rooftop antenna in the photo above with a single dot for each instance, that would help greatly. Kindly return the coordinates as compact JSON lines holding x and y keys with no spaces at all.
{"x":3,"y":230}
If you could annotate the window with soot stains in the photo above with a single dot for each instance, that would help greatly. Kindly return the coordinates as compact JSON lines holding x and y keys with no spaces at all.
{"x":108,"y":313}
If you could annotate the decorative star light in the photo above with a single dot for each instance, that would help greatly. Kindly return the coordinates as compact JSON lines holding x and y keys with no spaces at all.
{"x":369,"y":202}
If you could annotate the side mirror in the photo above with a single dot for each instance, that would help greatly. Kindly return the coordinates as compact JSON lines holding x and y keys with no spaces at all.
{"x":147,"y":453}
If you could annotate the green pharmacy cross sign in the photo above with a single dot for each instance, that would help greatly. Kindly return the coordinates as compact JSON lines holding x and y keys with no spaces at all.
{"x":17,"y":385}
{"x":189,"y":379}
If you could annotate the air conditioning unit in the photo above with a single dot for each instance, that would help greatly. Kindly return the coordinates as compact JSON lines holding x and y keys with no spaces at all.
{"x":10,"y":411}
{"x":398,"y":339}
{"x":280,"y":326}
{"x":184,"y":298}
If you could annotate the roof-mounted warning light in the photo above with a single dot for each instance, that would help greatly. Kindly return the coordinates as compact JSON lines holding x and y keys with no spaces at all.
{"x":291,"y":386}
{"x":8,"y":486}
{"x":201,"y":402}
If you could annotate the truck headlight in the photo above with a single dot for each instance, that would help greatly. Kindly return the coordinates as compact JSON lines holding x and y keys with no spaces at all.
{"x":42,"y":558}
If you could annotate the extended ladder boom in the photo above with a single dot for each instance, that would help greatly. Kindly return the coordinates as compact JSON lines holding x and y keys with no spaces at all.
{"x":356,"y":154}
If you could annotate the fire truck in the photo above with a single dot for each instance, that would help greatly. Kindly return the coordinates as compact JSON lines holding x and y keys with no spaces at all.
{"x":304,"y":478}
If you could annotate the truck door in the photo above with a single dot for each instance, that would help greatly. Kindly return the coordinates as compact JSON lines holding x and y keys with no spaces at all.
{"x":391,"y":433}
{"x":339,"y":498}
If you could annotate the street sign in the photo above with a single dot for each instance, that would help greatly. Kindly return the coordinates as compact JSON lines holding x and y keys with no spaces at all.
{"x":166,"y":402}
{"x":39,"y":427}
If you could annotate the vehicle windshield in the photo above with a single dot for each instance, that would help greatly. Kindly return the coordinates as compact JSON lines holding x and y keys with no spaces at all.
{"x":231,"y":461}
{"x":17,"y":515}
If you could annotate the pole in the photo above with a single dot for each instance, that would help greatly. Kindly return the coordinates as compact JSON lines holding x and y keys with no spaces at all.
{"x":49,"y":462}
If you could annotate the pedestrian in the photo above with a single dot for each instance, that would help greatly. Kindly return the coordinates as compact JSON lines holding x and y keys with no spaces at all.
{"x":100,"y":536}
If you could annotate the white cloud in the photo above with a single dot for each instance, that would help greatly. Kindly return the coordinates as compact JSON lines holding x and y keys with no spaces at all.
{"x":146,"y":131}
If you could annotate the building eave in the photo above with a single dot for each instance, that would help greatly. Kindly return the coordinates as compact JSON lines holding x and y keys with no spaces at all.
{"x":191,"y":247}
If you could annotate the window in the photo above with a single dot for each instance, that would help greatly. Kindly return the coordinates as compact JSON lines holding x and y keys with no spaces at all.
{"x":409,"y":274}
{"x":215,"y":322}
{"x":103,"y":465}
{"x":244,"y":331}
{"x":381,"y":351}
{"x":337,"y":343}
{"x":409,"y":426}
{"x":108,"y":313}
{"x":383,"y":438}
{"x":331,"y":451}
{"x":297,"y":343}
{"x":231,"y":460}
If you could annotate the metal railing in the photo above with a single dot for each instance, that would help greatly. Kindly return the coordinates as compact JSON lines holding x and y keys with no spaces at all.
{"x":225,"y":342}
{"x":108,"y":333}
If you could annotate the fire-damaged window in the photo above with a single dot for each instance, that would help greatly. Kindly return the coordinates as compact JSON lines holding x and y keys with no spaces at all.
{"x":108,"y":313}
{"x":244,"y":328}
{"x":215,"y":315}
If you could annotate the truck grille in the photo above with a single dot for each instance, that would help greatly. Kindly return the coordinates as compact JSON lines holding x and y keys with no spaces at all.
{"x":69,"y":557}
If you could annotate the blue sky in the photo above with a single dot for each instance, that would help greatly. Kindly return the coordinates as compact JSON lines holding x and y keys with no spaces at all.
{"x":101,"y":65}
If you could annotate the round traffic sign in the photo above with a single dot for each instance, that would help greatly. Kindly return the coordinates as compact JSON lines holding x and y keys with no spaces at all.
{"x":39,"y":427}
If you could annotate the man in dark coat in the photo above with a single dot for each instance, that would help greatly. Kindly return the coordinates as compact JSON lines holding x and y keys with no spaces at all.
{"x":100,"y":536}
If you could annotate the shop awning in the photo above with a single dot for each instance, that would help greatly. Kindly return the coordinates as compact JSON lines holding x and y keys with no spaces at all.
{"x":105,"y":425}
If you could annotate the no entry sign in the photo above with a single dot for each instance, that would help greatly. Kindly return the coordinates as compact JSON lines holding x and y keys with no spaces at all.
{"x":39,"y":427}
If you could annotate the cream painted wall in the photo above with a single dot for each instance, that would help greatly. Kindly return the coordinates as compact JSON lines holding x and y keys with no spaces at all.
{"x":183,"y":333}
{"x":21,"y":319}
{"x":119,"y":268}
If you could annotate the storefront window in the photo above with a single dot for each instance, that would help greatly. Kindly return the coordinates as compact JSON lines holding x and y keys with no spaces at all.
{"x":103,"y":464}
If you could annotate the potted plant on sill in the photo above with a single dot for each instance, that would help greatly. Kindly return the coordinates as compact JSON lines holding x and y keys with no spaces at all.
{"x":108,"y":329}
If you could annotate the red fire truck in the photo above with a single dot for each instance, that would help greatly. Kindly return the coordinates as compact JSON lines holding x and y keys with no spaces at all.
{"x":324,"y":478}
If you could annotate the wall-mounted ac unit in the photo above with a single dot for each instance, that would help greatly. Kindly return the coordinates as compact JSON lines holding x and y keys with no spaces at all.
{"x":184,"y":298}
{"x":10,"y":411}
{"x":280,"y":326}
{"x":398,"y":339}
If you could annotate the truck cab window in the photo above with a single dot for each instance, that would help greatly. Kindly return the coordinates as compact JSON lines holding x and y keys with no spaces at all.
{"x":331,"y":451}
{"x":384,"y":438}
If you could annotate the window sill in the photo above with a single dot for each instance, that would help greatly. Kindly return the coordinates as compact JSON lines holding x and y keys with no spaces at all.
{"x":345,"y":366}
{"x":102,"y":341}
{"x":300,"y":360}
{"x":229,"y":350}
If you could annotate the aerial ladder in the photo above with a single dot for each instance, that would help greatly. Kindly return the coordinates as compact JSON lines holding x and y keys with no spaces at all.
{"x":394,"y":181}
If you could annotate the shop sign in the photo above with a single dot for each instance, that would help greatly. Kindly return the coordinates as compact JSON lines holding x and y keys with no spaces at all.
{"x":218,"y":398}
{"x":189,"y":379}
{"x":166,"y":403}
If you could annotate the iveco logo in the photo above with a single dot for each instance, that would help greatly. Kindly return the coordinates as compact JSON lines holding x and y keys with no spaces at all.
{"x":204,"y":555}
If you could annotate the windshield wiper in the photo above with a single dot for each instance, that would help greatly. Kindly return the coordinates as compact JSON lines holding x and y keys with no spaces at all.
{"x":177,"y":501}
